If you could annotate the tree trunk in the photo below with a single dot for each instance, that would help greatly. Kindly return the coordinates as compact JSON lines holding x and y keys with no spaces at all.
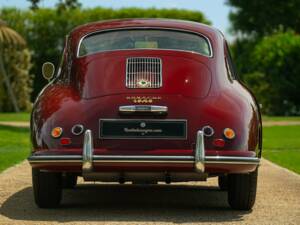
{"x":8,"y":85}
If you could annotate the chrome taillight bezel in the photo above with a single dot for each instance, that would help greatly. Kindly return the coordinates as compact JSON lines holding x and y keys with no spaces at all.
{"x":209,"y":128}
{"x":77,"y":126}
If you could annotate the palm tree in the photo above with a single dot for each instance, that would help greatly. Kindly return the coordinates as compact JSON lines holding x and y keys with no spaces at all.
{"x":9,"y":37}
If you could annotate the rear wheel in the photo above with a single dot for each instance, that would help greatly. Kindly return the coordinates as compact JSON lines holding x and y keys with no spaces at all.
{"x":47,"y":188}
{"x":223,"y":182}
{"x":69,"y":180}
{"x":242,"y":190}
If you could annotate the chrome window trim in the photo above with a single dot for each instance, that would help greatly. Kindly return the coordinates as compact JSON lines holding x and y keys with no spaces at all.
{"x":145,"y":28}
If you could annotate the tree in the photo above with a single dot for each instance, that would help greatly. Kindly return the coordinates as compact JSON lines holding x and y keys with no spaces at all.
{"x":67,"y":5}
{"x":277,"y":57}
{"x":264,"y":17}
{"x":8,"y":37}
{"x":17,"y":62}
{"x":34,"y":4}
{"x":260,"y":18}
{"x":267,"y":51}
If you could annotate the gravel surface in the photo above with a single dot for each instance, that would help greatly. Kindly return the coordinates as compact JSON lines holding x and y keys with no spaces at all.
{"x":278,"y":202}
{"x":15,"y":124}
{"x":280,"y":123}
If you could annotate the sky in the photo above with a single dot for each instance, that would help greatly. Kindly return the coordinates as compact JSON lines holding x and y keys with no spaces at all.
{"x":215,"y":10}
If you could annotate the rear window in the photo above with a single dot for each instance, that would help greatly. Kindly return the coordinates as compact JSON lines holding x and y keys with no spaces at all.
{"x":144,"y":39}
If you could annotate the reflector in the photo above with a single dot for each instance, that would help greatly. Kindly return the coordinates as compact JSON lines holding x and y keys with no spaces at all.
{"x":65,"y":141}
{"x":219,"y":143}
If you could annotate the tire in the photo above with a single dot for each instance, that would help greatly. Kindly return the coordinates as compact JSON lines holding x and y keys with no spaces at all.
{"x":47,"y":188}
{"x":242,"y":190}
{"x":223,"y":182}
{"x":69,"y":181}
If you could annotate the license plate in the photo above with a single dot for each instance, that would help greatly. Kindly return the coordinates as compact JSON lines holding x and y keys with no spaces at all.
{"x":142,"y":129}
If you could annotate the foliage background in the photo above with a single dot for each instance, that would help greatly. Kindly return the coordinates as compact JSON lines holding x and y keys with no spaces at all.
{"x":17,"y":62}
{"x":266,"y":52}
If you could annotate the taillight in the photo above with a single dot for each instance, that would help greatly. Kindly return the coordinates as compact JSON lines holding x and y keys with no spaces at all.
{"x":56,"y":132}
{"x":229,"y":133}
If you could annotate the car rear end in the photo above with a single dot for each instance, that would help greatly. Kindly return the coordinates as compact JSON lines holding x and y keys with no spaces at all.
{"x":146,"y":112}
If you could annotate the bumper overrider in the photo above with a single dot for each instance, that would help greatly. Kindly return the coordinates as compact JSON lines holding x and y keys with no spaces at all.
{"x":199,"y":160}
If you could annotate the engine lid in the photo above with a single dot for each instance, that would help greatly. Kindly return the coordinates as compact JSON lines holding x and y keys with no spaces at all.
{"x":129,"y":72}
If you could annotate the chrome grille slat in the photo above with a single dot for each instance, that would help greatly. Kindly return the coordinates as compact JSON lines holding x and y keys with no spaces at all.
{"x":146,"y":69}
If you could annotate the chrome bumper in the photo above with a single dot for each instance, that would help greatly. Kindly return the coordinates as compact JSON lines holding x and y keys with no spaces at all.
{"x":88,"y":159}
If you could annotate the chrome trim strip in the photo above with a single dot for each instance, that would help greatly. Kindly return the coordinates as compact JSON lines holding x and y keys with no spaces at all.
{"x":231,"y":160}
{"x":145,"y":158}
{"x":150,"y":28}
{"x":87,"y":152}
{"x":65,"y":161}
{"x":33,"y":158}
{"x":145,"y":138}
{"x":143,"y":161}
{"x":200,"y":152}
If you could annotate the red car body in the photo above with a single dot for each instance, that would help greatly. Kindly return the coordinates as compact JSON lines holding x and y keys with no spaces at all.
{"x":200,"y":95}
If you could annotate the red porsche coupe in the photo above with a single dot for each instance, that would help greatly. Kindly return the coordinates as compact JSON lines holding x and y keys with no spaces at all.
{"x":145,"y":101}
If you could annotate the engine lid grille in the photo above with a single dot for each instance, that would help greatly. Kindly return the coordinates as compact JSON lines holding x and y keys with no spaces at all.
{"x":143,"y":72}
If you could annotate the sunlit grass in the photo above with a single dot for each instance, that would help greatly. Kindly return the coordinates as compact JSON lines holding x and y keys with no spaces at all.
{"x":281,"y":145}
{"x":22,"y":117}
{"x":14,"y":146}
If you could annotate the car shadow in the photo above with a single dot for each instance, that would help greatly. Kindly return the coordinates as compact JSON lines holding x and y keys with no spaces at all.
{"x":135,"y":203}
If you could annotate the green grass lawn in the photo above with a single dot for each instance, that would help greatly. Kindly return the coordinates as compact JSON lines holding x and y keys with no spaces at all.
{"x":22,"y":117}
{"x":14,"y":146}
{"x":281,"y":145}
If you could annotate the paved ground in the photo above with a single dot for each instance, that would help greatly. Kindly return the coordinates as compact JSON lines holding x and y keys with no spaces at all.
{"x":280,"y":123}
{"x":278,"y":202}
{"x":14,"y":123}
